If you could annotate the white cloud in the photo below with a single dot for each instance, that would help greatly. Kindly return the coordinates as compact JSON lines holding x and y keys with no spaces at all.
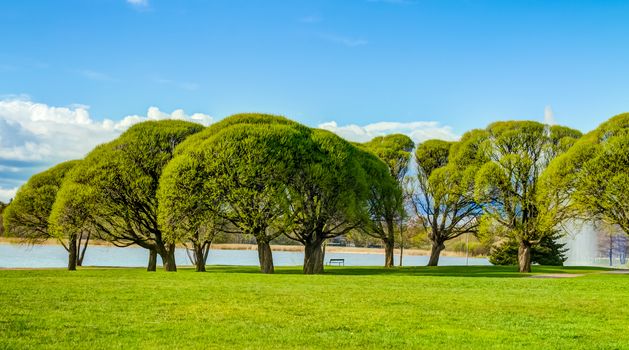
{"x":6,"y":194}
{"x":418,"y":131}
{"x":36,"y":133}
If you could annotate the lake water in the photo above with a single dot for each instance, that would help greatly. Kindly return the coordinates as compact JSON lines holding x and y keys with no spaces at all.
{"x":13,"y":255}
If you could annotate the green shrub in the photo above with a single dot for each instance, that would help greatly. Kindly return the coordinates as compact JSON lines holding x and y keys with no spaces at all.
{"x":547,"y":252}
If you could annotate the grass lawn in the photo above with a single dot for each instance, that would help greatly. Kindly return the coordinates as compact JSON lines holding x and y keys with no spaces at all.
{"x":237,"y":307}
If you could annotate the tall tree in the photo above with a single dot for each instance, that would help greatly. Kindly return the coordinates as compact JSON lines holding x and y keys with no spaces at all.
{"x":395,"y":150}
{"x":325,"y":195}
{"x":236,"y":171}
{"x":114,"y":189}
{"x":591,"y":180}
{"x":388,"y":214}
{"x":27,"y":217}
{"x":443,"y":202}
{"x":506,"y":186}
{"x":185,"y":213}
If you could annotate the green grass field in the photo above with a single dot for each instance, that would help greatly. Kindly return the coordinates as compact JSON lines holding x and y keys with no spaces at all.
{"x":237,"y":307}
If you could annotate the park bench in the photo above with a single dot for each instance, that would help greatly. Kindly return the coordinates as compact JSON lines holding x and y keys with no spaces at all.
{"x":338,"y":262}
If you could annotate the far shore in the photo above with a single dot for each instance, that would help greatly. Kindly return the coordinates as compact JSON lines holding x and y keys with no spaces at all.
{"x":278,"y":248}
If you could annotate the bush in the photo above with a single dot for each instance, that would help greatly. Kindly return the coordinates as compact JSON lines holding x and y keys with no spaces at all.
{"x":547,"y":252}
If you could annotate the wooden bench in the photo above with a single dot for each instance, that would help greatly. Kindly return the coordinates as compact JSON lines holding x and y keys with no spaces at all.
{"x":338,"y":262}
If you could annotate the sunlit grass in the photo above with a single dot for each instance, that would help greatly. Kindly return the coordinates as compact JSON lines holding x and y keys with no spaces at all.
{"x":237,"y":307}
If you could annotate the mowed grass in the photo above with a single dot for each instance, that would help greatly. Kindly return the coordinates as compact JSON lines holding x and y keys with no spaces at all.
{"x":237,"y":307}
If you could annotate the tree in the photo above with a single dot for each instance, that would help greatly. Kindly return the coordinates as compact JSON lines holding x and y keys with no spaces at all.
{"x":506,"y":185}
{"x":443,"y":203}
{"x":236,"y":171}
{"x":591,"y":180}
{"x":27,"y":217}
{"x":388,"y":211}
{"x":395,"y":150}
{"x":325,"y":194}
{"x":185,"y":213}
{"x":114,"y":189}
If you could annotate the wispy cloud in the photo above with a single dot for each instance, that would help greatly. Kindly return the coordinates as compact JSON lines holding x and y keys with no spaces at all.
{"x":94,"y":75}
{"x":344,"y":40}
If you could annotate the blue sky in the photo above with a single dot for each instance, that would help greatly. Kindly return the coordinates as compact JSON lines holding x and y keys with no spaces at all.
{"x":359,"y":67}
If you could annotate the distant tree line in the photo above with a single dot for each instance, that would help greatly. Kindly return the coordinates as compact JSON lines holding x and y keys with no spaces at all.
{"x":163,"y":183}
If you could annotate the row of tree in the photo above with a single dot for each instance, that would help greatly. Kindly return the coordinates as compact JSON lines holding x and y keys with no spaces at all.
{"x":172,"y":182}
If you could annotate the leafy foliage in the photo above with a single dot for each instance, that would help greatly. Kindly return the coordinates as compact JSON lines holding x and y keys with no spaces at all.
{"x":386,"y":195}
{"x":443,"y":202}
{"x":591,"y":180}
{"x":325,"y":196}
{"x":236,"y":176}
{"x":515,"y":153}
{"x":263,"y":175}
{"x":395,"y":150}
{"x":114,"y":188}
{"x":27,"y":217}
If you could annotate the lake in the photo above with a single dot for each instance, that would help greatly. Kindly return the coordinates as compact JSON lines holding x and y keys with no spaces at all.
{"x":13,"y":255}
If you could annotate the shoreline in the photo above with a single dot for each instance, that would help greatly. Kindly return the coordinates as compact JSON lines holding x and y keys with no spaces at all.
{"x":274,"y":247}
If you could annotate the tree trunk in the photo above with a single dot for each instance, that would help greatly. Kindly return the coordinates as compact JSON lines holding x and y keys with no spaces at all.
{"x":435,"y":253}
{"x":524,"y":256}
{"x":82,"y":251}
{"x":313,"y":257}
{"x":79,"y":261}
{"x":168,"y":257}
{"x":152,"y":266}
{"x":265,"y":255}
{"x":200,"y":256}
{"x":388,"y":252}
{"x":72,"y":253}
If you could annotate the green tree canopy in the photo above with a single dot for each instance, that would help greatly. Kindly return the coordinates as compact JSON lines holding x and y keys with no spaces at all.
{"x":506,"y":185}
{"x":395,"y":150}
{"x":114,"y":188}
{"x":27,"y":217}
{"x":443,"y":202}
{"x":591,"y":180}
{"x":236,"y":175}
{"x":325,"y":194}
{"x":386,"y":199}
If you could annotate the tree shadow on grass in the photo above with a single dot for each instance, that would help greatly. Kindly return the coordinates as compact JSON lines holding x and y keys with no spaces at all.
{"x":444,"y":271}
